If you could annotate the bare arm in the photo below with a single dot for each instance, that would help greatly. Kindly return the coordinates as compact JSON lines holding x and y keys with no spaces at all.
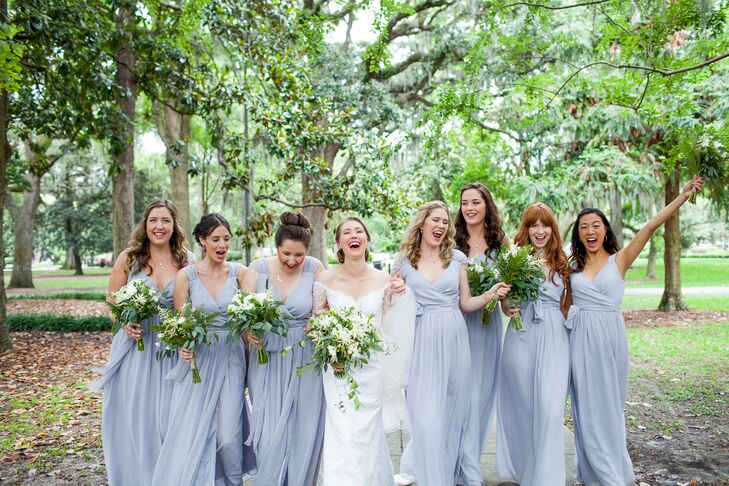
{"x":249,"y":280}
{"x":243,"y":276}
{"x":469,"y":303}
{"x":625,"y":257}
{"x":118,"y":276}
{"x":181,"y":291}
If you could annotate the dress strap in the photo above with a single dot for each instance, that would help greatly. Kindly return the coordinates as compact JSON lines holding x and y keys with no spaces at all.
{"x":191,"y":272}
{"x":311,"y":264}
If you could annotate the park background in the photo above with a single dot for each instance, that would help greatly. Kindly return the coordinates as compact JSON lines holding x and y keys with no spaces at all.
{"x":339,"y":107}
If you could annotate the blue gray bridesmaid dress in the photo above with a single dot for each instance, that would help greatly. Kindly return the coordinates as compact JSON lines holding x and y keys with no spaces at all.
{"x":136,"y":401}
{"x":208,"y":421}
{"x":599,"y":377}
{"x":439,"y":385}
{"x":485,"y":341}
{"x":533,"y":391}
{"x":287,"y":428}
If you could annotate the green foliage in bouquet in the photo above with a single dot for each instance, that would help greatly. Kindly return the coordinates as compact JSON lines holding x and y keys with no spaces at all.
{"x":135,"y":302}
{"x":480,"y":279}
{"x":522,"y":270}
{"x":259,"y":313}
{"x":187,"y":329}
{"x":705,"y":154}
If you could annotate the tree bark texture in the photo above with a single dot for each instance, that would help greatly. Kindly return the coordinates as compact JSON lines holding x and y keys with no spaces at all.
{"x":318,"y":214}
{"x":6,"y":345}
{"x":23,"y":220}
{"x":672,"y":299}
{"x":122,"y":192}
{"x":616,"y":216}
{"x":174,"y":130}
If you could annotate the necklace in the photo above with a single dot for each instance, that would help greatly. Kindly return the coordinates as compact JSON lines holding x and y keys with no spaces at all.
{"x":278,"y":277}
{"x":160,"y":263}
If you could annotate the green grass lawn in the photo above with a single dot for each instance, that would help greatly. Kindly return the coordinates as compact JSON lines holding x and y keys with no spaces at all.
{"x":695,"y":272}
{"x":711,"y":302}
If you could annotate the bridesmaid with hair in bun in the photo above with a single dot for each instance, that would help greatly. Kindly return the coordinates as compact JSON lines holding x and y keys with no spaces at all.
{"x":287,"y":430}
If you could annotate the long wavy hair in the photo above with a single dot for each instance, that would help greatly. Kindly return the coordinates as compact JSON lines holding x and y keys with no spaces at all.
{"x":493,"y":224}
{"x":410,"y":245}
{"x":138,"y":246}
{"x":579,"y":252}
{"x":552,"y":253}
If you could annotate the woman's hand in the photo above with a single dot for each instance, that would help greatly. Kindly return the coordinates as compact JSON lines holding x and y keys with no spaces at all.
{"x":338,"y":366}
{"x":249,"y":338}
{"x":133,"y":330}
{"x":497,"y":292}
{"x":397,"y":284}
{"x":186,"y":355}
{"x":694,"y":185}
{"x":510,"y":309}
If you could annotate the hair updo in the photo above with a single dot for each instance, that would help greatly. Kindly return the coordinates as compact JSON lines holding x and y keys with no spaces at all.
{"x":208,"y":224}
{"x":295,"y":227}
{"x":337,"y":234}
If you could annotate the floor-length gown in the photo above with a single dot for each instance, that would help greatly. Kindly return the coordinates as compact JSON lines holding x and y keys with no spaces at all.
{"x":485,"y":342}
{"x":533,"y":392}
{"x":287,"y":426}
{"x":136,"y":401}
{"x":355,"y":449}
{"x":439,"y":386}
{"x":209,"y":420}
{"x":599,"y":377}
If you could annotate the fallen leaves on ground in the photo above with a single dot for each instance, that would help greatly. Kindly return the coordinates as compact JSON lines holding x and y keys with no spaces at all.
{"x":655,"y":318}
{"x":47,"y":415}
{"x":63,"y":307}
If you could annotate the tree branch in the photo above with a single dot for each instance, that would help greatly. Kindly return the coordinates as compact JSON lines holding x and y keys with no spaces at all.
{"x":550,"y":7}
{"x":295,"y":205}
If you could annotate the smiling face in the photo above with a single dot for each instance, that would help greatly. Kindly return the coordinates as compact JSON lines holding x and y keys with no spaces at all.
{"x":435,"y":227}
{"x":473,"y":207}
{"x":160,"y":226}
{"x":592,"y":232}
{"x":539,"y":234}
{"x":217,"y":244}
{"x":291,"y":255}
{"x":353,"y":239}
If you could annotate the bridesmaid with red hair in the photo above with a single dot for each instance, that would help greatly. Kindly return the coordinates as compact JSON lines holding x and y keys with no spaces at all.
{"x":534,"y":376}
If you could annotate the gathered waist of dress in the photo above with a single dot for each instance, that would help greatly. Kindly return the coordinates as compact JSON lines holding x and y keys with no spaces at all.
{"x":576,"y":310}
{"x":436,"y":308}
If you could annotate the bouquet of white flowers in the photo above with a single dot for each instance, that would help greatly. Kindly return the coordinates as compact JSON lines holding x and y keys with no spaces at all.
{"x":480,"y":279}
{"x":344,"y":337}
{"x":186,"y":329}
{"x":522,"y":270}
{"x":258,"y":313}
{"x":134,"y":302}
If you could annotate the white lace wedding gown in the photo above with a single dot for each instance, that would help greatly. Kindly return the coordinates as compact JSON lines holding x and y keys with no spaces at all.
{"x":355,"y":450}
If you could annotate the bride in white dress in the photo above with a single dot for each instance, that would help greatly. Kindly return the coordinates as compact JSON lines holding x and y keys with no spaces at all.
{"x":355,"y":450}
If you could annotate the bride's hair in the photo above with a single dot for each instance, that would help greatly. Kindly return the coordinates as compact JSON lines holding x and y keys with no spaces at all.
{"x":138,"y":246}
{"x":338,"y":231}
{"x":410,"y":245}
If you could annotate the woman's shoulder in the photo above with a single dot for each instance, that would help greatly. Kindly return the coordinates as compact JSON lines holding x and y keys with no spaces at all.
{"x":312,"y":264}
{"x":235,"y":269}
{"x":260,"y":265}
{"x":459,"y":257}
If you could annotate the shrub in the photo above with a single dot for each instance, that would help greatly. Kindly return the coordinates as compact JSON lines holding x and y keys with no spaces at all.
{"x":51,"y":322}
{"x":98,"y":296}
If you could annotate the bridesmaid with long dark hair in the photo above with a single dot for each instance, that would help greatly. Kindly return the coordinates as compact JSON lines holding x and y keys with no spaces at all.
{"x":535,"y":366}
{"x":136,"y":401}
{"x":288,"y":409}
{"x":598,"y":341}
{"x":209,"y":420}
{"x":479,"y":235}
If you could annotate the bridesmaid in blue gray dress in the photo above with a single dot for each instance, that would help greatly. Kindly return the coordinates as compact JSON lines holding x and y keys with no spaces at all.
{"x":535,"y":367}
{"x":208,"y":421}
{"x":287,"y":428}
{"x":136,"y":400}
{"x":439,"y":385}
{"x":599,"y":344}
{"x":479,"y":235}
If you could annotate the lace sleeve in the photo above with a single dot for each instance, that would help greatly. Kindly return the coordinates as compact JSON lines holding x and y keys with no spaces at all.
{"x":320,"y":299}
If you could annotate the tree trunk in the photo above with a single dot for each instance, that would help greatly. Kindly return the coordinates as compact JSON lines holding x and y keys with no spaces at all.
{"x":23,"y":221}
{"x":650,"y":270}
{"x":77,"y":264}
{"x":70,"y":262}
{"x":174,"y":130}
{"x":6,"y":345}
{"x":122,"y":192}
{"x":672,"y":297}
{"x":318,"y":214}
{"x":616,"y":216}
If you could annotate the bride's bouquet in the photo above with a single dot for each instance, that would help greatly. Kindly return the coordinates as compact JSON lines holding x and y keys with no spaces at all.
{"x":343,"y":337}
{"x":186,"y":329}
{"x":258,"y":313}
{"x":480,"y":279}
{"x":134,"y":302}
{"x":524,"y":272}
